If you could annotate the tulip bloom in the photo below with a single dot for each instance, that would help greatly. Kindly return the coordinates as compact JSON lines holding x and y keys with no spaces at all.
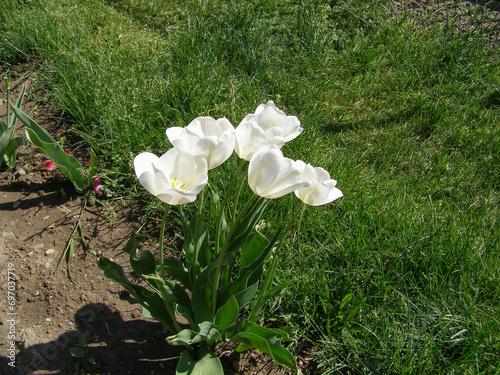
{"x":321,"y":191}
{"x":271,"y":175}
{"x":205,"y":136}
{"x":266,"y":127}
{"x":175,"y":178}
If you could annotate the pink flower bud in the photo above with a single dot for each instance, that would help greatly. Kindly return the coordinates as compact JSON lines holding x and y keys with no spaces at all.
{"x":46,"y":165}
{"x":96,"y":186}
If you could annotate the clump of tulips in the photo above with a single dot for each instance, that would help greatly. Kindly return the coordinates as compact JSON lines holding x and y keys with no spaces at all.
{"x":225,"y":280}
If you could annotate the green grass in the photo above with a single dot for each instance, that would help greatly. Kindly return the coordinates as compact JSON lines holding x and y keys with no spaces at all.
{"x":403,"y":112}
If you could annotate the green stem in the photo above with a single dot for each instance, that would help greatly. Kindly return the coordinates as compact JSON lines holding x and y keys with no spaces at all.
{"x":223,"y":252}
{"x":273,"y":264}
{"x":196,"y":249}
{"x":162,"y":236}
{"x":233,"y":217}
{"x":223,"y":205}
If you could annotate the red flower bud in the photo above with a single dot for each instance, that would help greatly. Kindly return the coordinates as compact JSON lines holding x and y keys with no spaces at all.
{"x":46,"y":165}
{"x":96,"y":186}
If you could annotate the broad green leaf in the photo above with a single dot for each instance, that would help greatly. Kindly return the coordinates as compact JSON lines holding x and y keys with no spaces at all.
{"x":176,"y":269}
{"x":252,"y":248}
{"x":144,"y":265}
{"x":82,"y":339}
{"x":133,"y":243}
{"x":266,"y":340}
{"x":201,"y":299}
{"x":77,"y":352}
{"x":68,"y":164}
{"x":227,"y":314}
{"x":151,"y":303}
{"x":245,"y":296}
{"x":10,"y":150}
{"x":248,"y":275}
{"x":5,"y":139}
{"x":208,"y":333}
{"x":41,"y":133}
{"x":247,"y":224}
{"x":206,"y":364}
{"x":204,"y":250}
{"x":169,"y":290}
{"x":187,"y":313}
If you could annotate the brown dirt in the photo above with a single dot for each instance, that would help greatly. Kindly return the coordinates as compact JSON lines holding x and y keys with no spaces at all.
{"x":38,"y":213}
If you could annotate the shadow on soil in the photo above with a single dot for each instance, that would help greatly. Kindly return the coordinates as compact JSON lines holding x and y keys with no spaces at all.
{"x":117,"y":346}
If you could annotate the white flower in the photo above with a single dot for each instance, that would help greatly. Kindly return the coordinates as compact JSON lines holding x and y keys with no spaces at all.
{"x":205,"y":136}
{"x":267,"y":126}
{"x":175,"y":178}
{"x":271,"y":175}
{"x":321,"y":191}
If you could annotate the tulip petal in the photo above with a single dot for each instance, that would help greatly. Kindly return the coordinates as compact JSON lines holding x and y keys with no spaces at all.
{"x":267,"y":126}
{"x":322,"y":188}
{"x":175,"y":178}
{"x":271,"y":175}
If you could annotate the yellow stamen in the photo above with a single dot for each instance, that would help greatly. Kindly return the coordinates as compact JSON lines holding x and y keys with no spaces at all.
{"x":177,"y":184}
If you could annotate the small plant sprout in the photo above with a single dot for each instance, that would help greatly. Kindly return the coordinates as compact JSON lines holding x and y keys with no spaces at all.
{"x":227,"y":275}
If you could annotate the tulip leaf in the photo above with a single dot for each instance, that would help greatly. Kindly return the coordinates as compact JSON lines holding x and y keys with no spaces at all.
{"x":10,"y":150}
{"x":176,"y":269}
{"x":151,"y":303}
{"x":248,"y":275}
{"x":266,"y":340}
{"x":133,"y":243}
{"x":144,"y":265}
{"x":169,"y":290}
{"x":204,"y":252}
{"x":201,"y":299}
{"x":5,"y":138}
{"x":227,"y":314}
{"x":39,"y":137}
{"x":247,"y":224}
{"x":207,"y":363}
{"x":245,"y":296}
{"x":19,"y":101}
{"x":68,"y":164}
{"x":92,"y":167}
{"x":252,"y":248}
{"x":42,"y":134}
{"x":208,"y":333}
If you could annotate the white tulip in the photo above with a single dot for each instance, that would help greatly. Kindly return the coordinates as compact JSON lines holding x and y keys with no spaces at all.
{"x":175,"y":178}
{"x":271,"y":175}
{"x":267,"y":126}
{"x":205,"y":136}
{"x":322,"y":189}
